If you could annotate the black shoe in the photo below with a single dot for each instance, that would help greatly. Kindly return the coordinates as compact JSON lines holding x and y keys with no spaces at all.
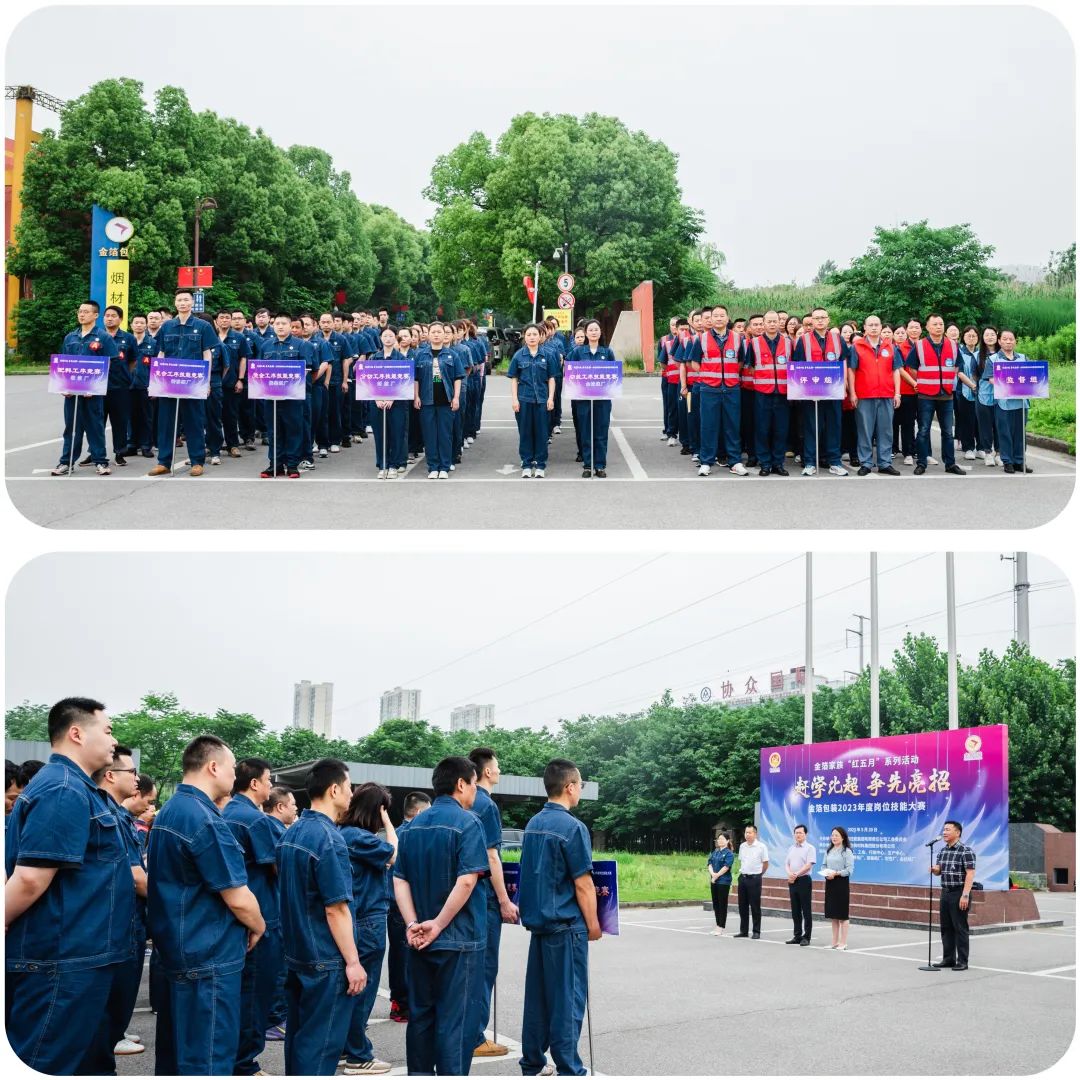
{"x":1009,"y":468}
{"x":1026,"y":469}
{"x":265,"y":441}
{"x":943,"y":964}
{"x":779,"y":470}
{"x":955,"y":470}
{"x":755,"y":935}
{"x":249,"y":444}
{"x":602,"y":473}
{"x":764,"y":470}
{"x":805,"y":941}
{"x":919,"y":470}
{"x":740,"y":935}
{"x":888,"y":471}
{"x":362,"y":436}
{"x":579,"y":458}
{"x":793,"y":941}
{"x":863,"y":471}
{"x":586,"y":473}
{"x":959,"y":967}
{"x":120,"y":459}
{"x":86,"y":462}
{"x":685,"y":451}
{"x":752,"y":462}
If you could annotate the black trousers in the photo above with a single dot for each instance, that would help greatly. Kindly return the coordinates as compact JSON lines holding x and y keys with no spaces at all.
{"x":954,"y":927}
{"x":720,"y":890}
{"x":801,"y":891}
{"x":749,"y":902}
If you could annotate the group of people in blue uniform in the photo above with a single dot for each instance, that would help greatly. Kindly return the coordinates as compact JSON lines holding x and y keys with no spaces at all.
{"x":451,"y":363}
{"x":724,"y":393}
{"x":243,"y":910}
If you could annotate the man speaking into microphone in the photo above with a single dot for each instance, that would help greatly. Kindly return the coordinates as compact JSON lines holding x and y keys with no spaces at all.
{"x":956,"y":866}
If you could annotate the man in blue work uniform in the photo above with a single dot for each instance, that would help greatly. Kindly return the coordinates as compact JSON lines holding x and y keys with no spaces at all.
{"x":322,"y":361}
{"x":261,"y":332}
{"x":69,"y":900}
{"x":440,"y":860}
{"x":416,"y":802}
{"x":202,"y":916}
{"x":235,"y":351}
{"x":315,"y":886}
{"x":88,"y":339}
{"x":280,"y":810}
{"x":500,"y":908}
{"x":141,"y":439}
{"x":287,"y":443}
{"x":255,"y":833}
{"x":689,"y":388}
{"x":186,"y":337}
{"x":558,"y":908}
{"x":455,"y":337}
{"x":118,"y":397}
{"x":344,"y":404}
{"x":328,"y":431}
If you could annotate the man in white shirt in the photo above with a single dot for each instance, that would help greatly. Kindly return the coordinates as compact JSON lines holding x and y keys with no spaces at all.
{"x":799,"y":865}
{"x":753,"y":862}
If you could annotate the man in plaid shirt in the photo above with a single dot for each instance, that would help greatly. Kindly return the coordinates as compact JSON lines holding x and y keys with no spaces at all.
{"x":956,"y":865}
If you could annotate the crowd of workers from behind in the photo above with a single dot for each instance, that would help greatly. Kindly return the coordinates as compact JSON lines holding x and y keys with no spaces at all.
{"x":955,"y":866}
{"x":725,"y":394}
{"x":268,"y":925}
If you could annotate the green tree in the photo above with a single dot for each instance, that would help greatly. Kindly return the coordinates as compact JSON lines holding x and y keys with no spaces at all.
{"x":914,"y":269}
{"x":824,"y":273}
{"x":1061,"y":269}
{"x":27,"y":722}
{"x":610,"y":193}
{"x":404,"y":742}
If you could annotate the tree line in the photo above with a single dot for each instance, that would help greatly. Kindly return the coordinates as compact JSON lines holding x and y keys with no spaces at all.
{"x":668,"y":773}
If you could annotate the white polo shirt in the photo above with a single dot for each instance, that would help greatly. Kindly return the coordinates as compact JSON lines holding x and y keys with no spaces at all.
{"x":752,"y":857}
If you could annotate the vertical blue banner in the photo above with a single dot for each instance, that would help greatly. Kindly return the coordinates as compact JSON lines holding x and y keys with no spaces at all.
{"x":99,"y":259}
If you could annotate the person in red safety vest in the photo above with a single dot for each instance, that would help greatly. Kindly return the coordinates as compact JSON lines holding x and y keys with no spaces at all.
{"x":669,"y":381}
{"x":873,"y":379}
{"x":820,"y":344}
{"x":768,"y":358}
{"x":934,"y":361}
{"x":755,"y":327}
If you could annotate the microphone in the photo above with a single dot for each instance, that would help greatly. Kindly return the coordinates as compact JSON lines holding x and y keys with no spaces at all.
{"x":936,"y":840}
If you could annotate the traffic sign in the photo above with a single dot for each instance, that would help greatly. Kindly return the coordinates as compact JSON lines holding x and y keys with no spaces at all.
{"x":566,"y":299}
{"x":566,"y":283}
{"x":198,"y":301}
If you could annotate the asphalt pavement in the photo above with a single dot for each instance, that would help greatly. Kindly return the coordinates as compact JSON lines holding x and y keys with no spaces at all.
{"x":667,"y":998}
{"x":649,"y":485}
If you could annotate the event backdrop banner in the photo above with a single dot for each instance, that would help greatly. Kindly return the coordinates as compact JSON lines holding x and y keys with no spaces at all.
{"x":276,"y":380}
{"x":807,"y":381}
{"x":78,"y":374}
{"x":600,"y":380}
{"x":179,"y":378}
{"x":605,"y":876}
{"x":893,"y":795}
{"x":379,"y":379}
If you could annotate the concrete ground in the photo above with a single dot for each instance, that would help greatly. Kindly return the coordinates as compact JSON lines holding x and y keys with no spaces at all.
{"x":649,"y":485}
{"x":669,"y":999}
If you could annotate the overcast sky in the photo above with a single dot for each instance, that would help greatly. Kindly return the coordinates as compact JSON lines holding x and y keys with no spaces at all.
{"x":238,"y":630}
{"x":798,"y":129}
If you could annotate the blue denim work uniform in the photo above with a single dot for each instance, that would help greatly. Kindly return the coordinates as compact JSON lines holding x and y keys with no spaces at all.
{"x":465,"y":361}
{"x":395,"y":450}
{"x":257,"y":837}
{"x":142,"y":432}
{"x":316,"y":416}
{"x":828,"y":411}
{"x":118,"y":396}
{"x":595,"y":415}
{"x":445,"y":979}
{"x":437,"y":420}
{"x":287,"y":442}
{"x":396,"y":945}
{"x":313,"y":874}
{"x":235,"y":348}
{"x":91,"y":410}
{"x":368,"y":856}
{"x":184,"y":341}
{"x":532,"y":370}
{"x":65,"y":951}
{"x":328,"y":432}
{"x":487,"y":810}
{"x":555,"y":852}
{"x":192,"y":857}
{"x":1009,"y":413}
{"x":277,"y":1009}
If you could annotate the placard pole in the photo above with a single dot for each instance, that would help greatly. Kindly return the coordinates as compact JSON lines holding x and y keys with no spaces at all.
{"x":274,"y":448}
{"x":817,"y":438}
{"x":495,"y":1011}
{"x":175,"y":433}
{"x":588,"y":1020}
{"x":592,"y":441}
{"x":74,"y":428}
{"x":385,"y":456}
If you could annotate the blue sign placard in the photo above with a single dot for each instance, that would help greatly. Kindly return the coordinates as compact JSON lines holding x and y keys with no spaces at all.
{"x":1021,"y":379}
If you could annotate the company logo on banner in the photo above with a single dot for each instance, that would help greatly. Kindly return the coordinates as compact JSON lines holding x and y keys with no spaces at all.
{"x":109,"y":265}
{"x":892,"y":795}
{"x":605,"y":875}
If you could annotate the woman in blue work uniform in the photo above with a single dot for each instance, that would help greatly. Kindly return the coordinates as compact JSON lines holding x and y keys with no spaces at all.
{"x":1009,"y":412}
{"x":964,"y":396}
{"x":370,"y":858}
{"x":595,"y":415}
{"x":532,"y":395}
{"x":390,"y":458}
{"x":408,"y":346}
{"x":721,"y":860}
{"x":575,"y":406}
{"x":437,"y":397}
{"x":985,"y":413}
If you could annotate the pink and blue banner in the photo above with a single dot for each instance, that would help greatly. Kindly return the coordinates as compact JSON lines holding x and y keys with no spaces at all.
{"x":892,"y":795}
{"x":1021,"y":379}
{"x":276,"y":380}
{"x":596,"y":380}
{"x":78,"y":374}
{"x":379,"y":379}
{"x":605,"y":875}
{"x":807,"y":381}
{"x":179,"y":378}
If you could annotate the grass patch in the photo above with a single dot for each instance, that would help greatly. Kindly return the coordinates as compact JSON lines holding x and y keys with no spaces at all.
{"x":1055,"y":416}
{"x":25,"y":367}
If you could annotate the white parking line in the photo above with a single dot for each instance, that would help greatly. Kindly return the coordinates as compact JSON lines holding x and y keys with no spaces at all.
{"x":636,"y":471}
{"x":1054,"y":971}
{"x":899,"y":945}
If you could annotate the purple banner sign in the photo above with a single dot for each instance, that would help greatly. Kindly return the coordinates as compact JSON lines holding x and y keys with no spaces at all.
{"x":78,"y":374}
{"x":807,"y":381}
{"x":1021,"y":379}
{"x":179,"y":378}
{"x":596,"y":380}
{"x":892,"y":795}
{"x":276,"y":380}
{"x":512,"y":880}
{"x":605,"y":875}
{"x":379,"y":379}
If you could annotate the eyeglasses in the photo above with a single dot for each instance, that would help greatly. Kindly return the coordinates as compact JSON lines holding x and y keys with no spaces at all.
{"x":134,"y":771}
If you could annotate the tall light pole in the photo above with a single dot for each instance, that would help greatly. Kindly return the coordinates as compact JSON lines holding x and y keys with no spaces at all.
{"x":208,"y":203}
{"x":1022,"y":588}
{"x":950,"y":608}
{"x":808,"y":696}
{"x":875,"y":659}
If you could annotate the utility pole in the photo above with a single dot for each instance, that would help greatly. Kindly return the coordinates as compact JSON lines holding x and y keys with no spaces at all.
{"x":875,"y":659}
{"x":861,"y":635}
{"x":950,"y":607}
{"x":1022,"y":588}
{"x":808,"y":695}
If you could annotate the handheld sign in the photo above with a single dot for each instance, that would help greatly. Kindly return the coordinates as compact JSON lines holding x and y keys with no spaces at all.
{"x":1021,"y":379}
{"x":379,"y":379}
{"x":808,"y":381}
{"x":598,"y":380}
{"x":605,"y":875}
{"x":276,"y":380}
{"x":179,"y":378}
{"x":512,"y":879}
{"x":78,"y":374}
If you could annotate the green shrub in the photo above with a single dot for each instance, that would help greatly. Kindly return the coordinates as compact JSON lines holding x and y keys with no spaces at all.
{"x":1035,"y":310}
{"x":1059,"y":347}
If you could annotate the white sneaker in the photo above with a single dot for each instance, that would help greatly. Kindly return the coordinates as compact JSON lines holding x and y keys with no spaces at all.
{"x":556,"y":430}
{"x":468,"y":440}
{"x":997,"y":458}
{"x":382,"y":474}
{"x":991,"y":460}
{"x":126,"y":1046}
{"x":391,"y":474}
{"x":130,"y":1035}
{"x":314,"y":447}
{"x":663,"y":435}
{"x":931,"y":460}
{"x":970,"y":455}
{"x":335,"y":449}
{"x":453,"y":467}
{"x":526,"y":472}
{"x":363,"y":1068}
{"x":838,"y":470}
{"x":671,"y":442}
{"x":215,"y":460}
{"x":809,"y":471}
{"x":103,"y":470}
{"x":980,"y":454}
{"x":443,"y":474}
{"x":718,"y":932}
{"x":539,"y":473}
{"x":695,"y":458}
{"x":908,"y":460}
{"x":401,"y":470}
{"x":322,"y":453}
{"x":738,"y":469}
{"x":370,"y":430}
{"x":704,"y":470}
{"x":433,"y":476}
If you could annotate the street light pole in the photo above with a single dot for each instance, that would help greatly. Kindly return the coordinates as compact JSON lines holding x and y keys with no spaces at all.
{"x":201,"y":205}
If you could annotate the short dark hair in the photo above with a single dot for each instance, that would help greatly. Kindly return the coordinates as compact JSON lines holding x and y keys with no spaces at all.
{"x":199,"y":751}
{"x":278,"y":795}
{"x":28,"y":770}
{"x":119,"y":751}
{"x":248,"y":769}
{"x":414,"y":800}
{"x":70,"y":711}
{"x":956,"y":825}
{"x":119,"y":310}
{"x":183,"y":292}
{"x":11,"y":773}
{"x":92,"y":303}
{"x":804,"y":828}
{"x":262,"y":311}
{"x":145,"y":783}
{"x":325,"y":773}
{"x":223,"y":311}
{"x":751,"y":826}
{"x":445,"y":775}
{"x":481,"y":757}
{"x":558,"y":773}
{"x":844,"y":841}
{"x":137,"y":315}
{"x":935,"y":315}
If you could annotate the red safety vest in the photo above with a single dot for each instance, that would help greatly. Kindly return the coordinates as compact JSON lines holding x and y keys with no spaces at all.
{"x":937,"y":376}
{"x":906,"y":389}
{"x":770,"y":371}
{"x":748,"y":372}
{"x":671,"y":365}
{"x":720,"y":366}
{"x":833,"y":345}
{"x":874,"y":375}
{"x":691,"y":375}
